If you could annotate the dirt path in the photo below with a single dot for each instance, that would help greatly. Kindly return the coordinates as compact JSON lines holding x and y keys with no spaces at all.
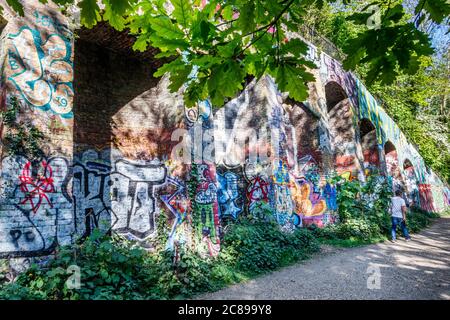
{"x":419,"y":269}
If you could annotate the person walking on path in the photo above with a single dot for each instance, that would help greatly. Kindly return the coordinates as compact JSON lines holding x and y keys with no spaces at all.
{"x":398,"y":215}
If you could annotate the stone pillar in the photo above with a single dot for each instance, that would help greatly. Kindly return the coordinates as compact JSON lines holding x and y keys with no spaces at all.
{"x":382,"y":157}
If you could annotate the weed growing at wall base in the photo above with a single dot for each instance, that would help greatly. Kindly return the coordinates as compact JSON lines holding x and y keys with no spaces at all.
{"x":112,"y":268}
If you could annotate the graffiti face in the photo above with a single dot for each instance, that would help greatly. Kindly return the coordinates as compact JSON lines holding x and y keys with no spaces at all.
{"x":41,"y":70}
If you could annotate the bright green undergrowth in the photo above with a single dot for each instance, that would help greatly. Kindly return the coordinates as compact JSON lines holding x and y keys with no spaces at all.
{"x":113,"y":269}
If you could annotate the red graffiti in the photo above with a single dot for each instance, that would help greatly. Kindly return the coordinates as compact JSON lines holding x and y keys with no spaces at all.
{"x":36,"y":187}
{"x":345,"y":162}
{"x":426,"y":197}
{"x":371,"y":156}
{"x":258,"y":190}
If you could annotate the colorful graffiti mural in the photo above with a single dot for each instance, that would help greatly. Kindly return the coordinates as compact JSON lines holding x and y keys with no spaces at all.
{"x":36,"y":189}
{"x":178,"y":204}
{"x":61,"y":198}
{"x":228,"y":195}
{"x":41,"y":70}
{"x":387,"y":131}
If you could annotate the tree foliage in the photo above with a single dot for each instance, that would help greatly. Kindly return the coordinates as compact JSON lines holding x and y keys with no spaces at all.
{"x":417,"y":102}
{"x":214,"y":46}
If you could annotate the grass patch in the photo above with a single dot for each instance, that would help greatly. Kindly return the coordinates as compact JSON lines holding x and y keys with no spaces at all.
{"x":363,"y":231}
{"x":352,"y":242}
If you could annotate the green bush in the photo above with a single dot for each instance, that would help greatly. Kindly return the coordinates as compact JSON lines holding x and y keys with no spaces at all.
{"x":418,"y":219}
{"x":260,"y":246}
{"x":109,"y":270}
{"x":364,"y":213}
{"x":113,"y":268}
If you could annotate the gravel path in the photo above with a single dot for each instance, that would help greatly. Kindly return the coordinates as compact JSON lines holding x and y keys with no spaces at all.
{"x":419,"y":269}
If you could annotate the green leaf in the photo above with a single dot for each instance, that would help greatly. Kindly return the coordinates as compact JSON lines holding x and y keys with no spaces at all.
{"x":395,"y":13}
{"x":227,"y":12}
{"x":296,"y":47}
{"x":16,"y":6}
{"x":166,"y":54}
{"x":178,"y":77}
{"x":172,"y":66}
{"x":438,"y":9}
{"x":206,"y":61}
{"x":182,"y":12}
{"x":205,"y":27}
{"x":164,"y":27}
{"x":246,"y":20}
{"x":165,"y":44}
{"x":196,"y":91}
{"x":229,"y":49}
{"x":225,"y":81}
{"x":117,"y":21}
{"x":255,"y":65}
{"x":90,"y":13}
{"x":293,"y":79}
{"x":120,"y":7}
{"x":141,"y":42}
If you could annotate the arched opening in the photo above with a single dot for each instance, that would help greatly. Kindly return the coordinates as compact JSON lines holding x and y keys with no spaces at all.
{"x":392,"y":165}
{"x":334,"y":94}
{"x":121,"y":130}
{"x":369,"y":146}
{"x":342,"y":131}
{"x":305,"y":136}
{"x":407,"y":165}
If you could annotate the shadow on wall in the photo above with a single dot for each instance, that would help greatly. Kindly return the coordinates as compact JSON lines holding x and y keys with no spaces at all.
{"x":123,"y":122}
{"x":369,"y":146}
{"x":342,"y":131}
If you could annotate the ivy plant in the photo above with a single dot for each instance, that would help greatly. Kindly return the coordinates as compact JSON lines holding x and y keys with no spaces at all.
{"x":23,"y":137}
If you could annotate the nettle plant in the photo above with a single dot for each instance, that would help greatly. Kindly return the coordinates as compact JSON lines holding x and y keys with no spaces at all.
{"x":213,"y":47}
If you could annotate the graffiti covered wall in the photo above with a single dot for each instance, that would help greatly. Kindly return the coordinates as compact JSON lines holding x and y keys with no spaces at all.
{"x":397,"y":151}
{"x":36,"y":85}
{"x":122,"y":154}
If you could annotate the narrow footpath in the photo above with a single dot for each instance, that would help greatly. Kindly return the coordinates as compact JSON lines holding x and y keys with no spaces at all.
{"x":419,"y":269}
